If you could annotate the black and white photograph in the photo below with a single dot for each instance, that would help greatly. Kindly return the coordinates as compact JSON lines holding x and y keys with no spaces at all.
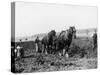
{"x":48,"y":37}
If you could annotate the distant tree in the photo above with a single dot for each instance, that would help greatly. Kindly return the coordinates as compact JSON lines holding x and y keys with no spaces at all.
{"x":26,"y":39}
{"x":20,"y":40}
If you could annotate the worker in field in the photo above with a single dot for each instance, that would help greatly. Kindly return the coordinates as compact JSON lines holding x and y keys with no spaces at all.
{"x":95,"y":40}
{"x":74,"y":32}
{"x":37,"y":43}
{"x":20,"y":51}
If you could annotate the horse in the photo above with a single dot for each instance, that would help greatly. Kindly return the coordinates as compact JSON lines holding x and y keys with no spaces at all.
{"x":47,"y":42}
{"x":63,"y":41}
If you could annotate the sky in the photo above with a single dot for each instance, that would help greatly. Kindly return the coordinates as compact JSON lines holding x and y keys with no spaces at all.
{"x":36,"y":18}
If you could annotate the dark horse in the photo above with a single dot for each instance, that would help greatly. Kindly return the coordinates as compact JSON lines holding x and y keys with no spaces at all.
{"x":47,"y":41}
{"x":63,"y":41}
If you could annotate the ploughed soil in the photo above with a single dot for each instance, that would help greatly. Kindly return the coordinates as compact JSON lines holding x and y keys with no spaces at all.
{"x":81,"y":56}
{"x":44,"y":63}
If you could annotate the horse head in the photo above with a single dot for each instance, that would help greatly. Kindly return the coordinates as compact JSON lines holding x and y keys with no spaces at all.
{"x":72,"y":31}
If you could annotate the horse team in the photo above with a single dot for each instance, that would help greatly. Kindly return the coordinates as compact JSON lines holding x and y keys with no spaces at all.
{"x":53,"y":43}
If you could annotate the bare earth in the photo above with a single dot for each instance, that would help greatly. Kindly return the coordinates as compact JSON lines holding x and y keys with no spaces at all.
{"x":40,"y":63}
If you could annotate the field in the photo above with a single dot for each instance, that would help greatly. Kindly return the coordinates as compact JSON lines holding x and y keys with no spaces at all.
{"x":81,"y":56}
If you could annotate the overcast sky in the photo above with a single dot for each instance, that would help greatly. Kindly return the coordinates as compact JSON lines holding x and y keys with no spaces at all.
{"x":35,"y":18}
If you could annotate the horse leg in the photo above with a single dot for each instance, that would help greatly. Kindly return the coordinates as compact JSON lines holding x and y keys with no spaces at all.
{"x":51,"y":49}
{"x":66,"y":51}
{"x":46,"y":49}
{"x":55,"y":49}
{"x":61,"y":52}
{"x":36,"y":47}
{"x":43,"y":49}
